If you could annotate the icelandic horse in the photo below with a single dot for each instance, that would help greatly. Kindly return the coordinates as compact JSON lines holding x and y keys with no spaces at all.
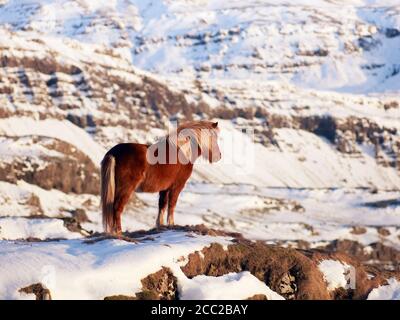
{"x":162,"y":167}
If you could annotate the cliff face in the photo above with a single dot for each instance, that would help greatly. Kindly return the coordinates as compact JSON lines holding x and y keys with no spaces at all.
{"x":103,"y":93}
{"x":48,"y":163}
{"x":52,"y":67}
{"x":86,"y":84}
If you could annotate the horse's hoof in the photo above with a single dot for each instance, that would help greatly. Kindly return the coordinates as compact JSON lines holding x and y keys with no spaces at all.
{"x":161,"y":228}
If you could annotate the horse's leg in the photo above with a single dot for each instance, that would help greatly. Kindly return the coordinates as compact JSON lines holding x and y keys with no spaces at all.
{"x":172,"y":200}
{"x":162,"y":204}
{"x":121,"y":198}
{"x":123,"y":193}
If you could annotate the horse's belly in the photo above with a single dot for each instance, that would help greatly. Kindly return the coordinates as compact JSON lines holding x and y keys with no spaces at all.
{"x":156,"y":180}
{"x":145,"y":187}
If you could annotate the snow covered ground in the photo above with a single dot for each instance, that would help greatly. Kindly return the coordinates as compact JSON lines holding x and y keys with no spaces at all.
{"x":75,"y":270}
{"x":232,"y":286}
{"x":334,"y":273}
{"x":271,"y":214}
{"x":391,"y":291}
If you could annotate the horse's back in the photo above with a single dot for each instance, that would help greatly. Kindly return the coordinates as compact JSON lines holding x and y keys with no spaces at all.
{"x":130,"y":159}
{"x":123,"y":150}
{"x":132,"y":168}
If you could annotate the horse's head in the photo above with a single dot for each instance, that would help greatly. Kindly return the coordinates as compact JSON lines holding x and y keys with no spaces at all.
{"x":201,"y":140}
{"x":212,"y":152}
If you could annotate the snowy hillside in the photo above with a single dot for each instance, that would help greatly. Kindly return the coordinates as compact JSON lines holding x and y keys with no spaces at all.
{"x":307,"y":94}
{"x":53,"y":69}
{"x":341,"y":45}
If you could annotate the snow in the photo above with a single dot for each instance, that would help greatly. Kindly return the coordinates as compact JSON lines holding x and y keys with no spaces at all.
{"x":24,"y":147}
{"x":59,"y":129}
{"x":263,"y":40}
{"x":53,"y":203}
{"x":321,"y":165}
{"x":391,"y":291}
{"x":12,"y":228}
{"x":336,"y":273}
{"x":72,"y":269}
{"x":232,"y":286}
{"x":261,"y":213}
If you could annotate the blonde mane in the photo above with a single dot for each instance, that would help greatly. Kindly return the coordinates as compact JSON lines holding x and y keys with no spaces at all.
{"x":200,"y":131}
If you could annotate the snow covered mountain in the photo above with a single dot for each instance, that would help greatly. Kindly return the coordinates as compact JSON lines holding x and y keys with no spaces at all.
{"x":346,"y":46}
{"x":307,"y":90}
{"x":262,"y":61}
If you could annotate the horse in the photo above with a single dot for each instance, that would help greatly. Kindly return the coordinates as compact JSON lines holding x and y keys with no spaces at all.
{"x":162,"y":167}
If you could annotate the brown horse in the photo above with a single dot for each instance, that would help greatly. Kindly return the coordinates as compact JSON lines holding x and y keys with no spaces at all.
{"x":162,"y":167}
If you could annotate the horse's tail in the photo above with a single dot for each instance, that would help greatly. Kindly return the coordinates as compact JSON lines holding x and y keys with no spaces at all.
{"x":108,"y":193}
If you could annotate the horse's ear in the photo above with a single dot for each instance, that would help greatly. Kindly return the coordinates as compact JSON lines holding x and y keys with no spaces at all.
{"x":215,"y":124}
{"x":183,"y":140}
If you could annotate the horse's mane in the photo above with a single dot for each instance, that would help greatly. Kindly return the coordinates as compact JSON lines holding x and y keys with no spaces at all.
{"x":197,"y":125}
{"x":198,"y":130}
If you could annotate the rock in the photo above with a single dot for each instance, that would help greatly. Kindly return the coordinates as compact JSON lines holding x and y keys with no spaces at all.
{"x":288,"y":286}
{"x":346,"y":143}
{"x":368,"y":43}
{"x":320,"y":52}
{"x":392,"y":32}
{"x":62,"y":167}
{"x":383,"y":203}
{"x":258,"y":297}
{"x":40,"y":291}
{"x":292,"y":273}
{"x":74,"y":226}
{"x":34,"y":202}
{"x":80,"y":215}
{"x":120,"y":297}
{"x":391,"y":105}
{"x":286,"y":271}
{"x":349,"y":247}
{"x":161,"y":285}
{"x":358,"y":230}
{"x":376,"y":254}
{"x":383,"y":232}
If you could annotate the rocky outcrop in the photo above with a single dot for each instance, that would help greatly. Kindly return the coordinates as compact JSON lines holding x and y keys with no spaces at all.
{"x":348,"y":135}
{"x":285,"y":271}
{"x":375,"y":254}
{"x":293,"y":273}
{"x":39,"y":290}
{"x":161,"y":285}
{"x":58,"y":87}
{"x":326,"y":273}
{"x":48,"y":163}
